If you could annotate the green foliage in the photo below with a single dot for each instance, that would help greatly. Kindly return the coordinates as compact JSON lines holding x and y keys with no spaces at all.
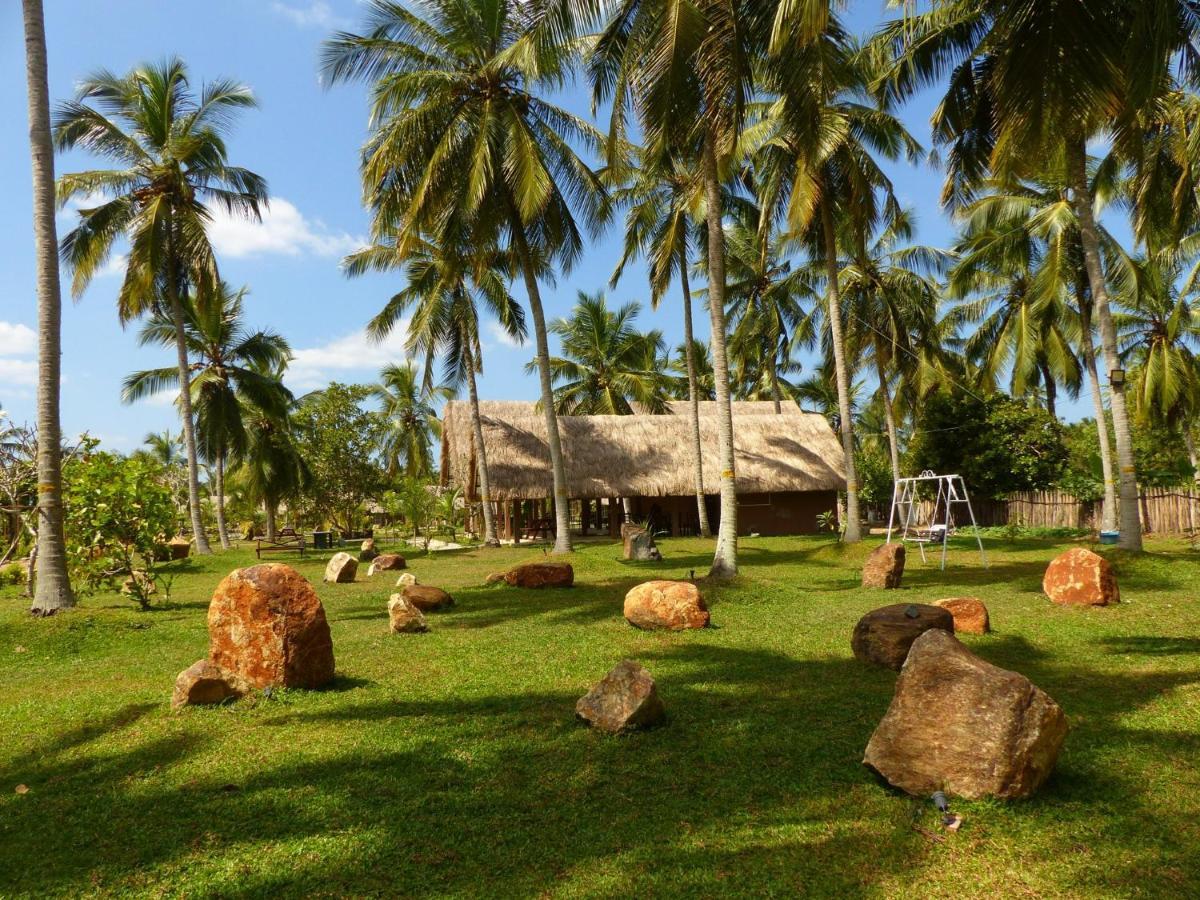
{"x":1159,"y":452}
{"x":998,"y":444}
{"x":118,"y":513}
{"x":874,"y":476}
{"x":13,"y":573}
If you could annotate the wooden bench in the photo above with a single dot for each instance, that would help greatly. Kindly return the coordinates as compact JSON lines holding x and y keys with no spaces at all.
{"x":286,"y":539}
{"x":538,"y":528}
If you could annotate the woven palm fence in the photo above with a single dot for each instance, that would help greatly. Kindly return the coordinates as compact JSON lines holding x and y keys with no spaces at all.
{"x":1163,"y":511}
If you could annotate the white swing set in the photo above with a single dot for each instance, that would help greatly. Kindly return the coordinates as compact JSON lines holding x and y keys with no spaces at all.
{"x":907,"y":501}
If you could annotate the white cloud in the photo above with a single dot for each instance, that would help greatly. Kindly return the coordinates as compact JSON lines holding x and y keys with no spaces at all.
{"x":114,"y":267}
{"x":316,"y":14}
{"x":17,"y":339}
{"x":351,"y":356}
{"x":18,"y":371}
{"x":499,"y":336}
{"x":283,"y":230}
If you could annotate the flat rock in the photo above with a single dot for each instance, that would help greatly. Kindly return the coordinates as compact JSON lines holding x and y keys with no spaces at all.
{"x":341,"y":569}
{"x":884,"y":567}
{"x":1080,"y":577}
{"x":205,"y":683}
{"x":673,"y":605}
{"x":387,"y":562}
{"x":883,"y":636}
{"x":959,"y":724}
{"x":970,"y":615}
{"x":540,"y":575}
{"x":266,"y":624}
{"x":638,"y":544}
{"x":404,"y":617}
{"x":622,"y":700}
{"x":425,"y":597}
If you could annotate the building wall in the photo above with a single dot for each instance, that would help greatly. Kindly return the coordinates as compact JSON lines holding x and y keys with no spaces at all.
{"x":789,"y":512}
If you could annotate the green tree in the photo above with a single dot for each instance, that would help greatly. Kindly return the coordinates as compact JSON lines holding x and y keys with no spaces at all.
{"x":679,"y":383}
{"x":170,"y":146}
{"x":273,"y":468}
{"x":410,"y":422}
{"x":462,"y":131}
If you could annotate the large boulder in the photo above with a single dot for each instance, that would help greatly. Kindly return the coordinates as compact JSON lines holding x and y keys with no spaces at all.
{"x":639,"y":545}
{"x":539,"y":575}
{"x":970,"y":615}
{"x":367,"y":551}
{"x":1080,"y":577}
{"x":387,"y":562}
{"x":425,"y":597}
{"x":961,"y":725}
{"x":674,"y":605}
{"x":623,"y":700}
{"x":884,"y":567}
{"x":884,"y":635}
{"x":341,"y":569}
{"x":404,"y":617}
{"x":266,"y":624}
{"x":204,"y":682}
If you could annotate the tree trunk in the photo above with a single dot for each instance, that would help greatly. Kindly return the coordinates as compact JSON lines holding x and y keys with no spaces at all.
{"x":889,"y":415}
{"x":1081,"y":195}
{"x":52,"y":590}
{"x":1192,"y":458}
{"x":1051,"y":390}
{"x":1108,"y":521}
{"x":851,"y":534}
{"x":222,"y":530}
{"x":724,"y":564}
{"x":562,"y":512}
{"x":693,"y":396}
{"x":627,"y":508}
{"x":269,"y":511}
{"x":776,"y":393}
{"x":485,"y":485}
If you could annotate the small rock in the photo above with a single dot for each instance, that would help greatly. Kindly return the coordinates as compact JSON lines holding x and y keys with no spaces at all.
{"x":639,"y":545}
{"x":367,"y":551}
{"x":404,"y":617}
{"x":21,"y":789}
{"x":961,"y":725}
{"x":540,"y":575}
{"x":387,"y":562}
{"x":624,"y":699}
{"x":142,"y":580}
{"x":341,"y":569}
{"x":406,"y":579}
{"x":495,"y":578}
{"x":179,"y":547}
{"x":1080,"y":577}
{"x":426,"y":598}
{"x":884,"y":567}
{"x":204,"y":683}
{"x":884,"y":635}
{"x":970,"y":615}
{"x":674,"y":605}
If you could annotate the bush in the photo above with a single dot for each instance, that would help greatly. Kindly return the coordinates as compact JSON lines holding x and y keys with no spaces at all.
{"x":13,"y":573}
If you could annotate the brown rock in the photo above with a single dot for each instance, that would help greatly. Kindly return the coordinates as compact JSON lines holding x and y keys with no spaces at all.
{"x":406,"y":579}
{"x":970,"y":615}
{"x":266,"y":624}
{"x":675,"y":605}
{"x":884,"y":635}
{"x":404,"y":617}
{"x":204,"y":682}
{"x":341,"y":569}
{"x":388,"y":562}
{"x":1080,"y":577}
{"x":540,"y":575}
{"x":623,"y":700}
{"x":639,"y":545}
{"x":884,"y":567}
{"x":962,"y":725}
{"x":180,"y":547}
{"x":367,"y":551}
{"x":425,"y":597}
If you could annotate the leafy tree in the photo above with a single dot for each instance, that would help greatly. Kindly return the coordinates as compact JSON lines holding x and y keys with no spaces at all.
{"x":273,"y":468}
{"x":410,"y":420}
{"x":170,"y":146}
{"x":998,"y":444}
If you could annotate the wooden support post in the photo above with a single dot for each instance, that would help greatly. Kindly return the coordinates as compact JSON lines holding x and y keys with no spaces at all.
{"x":585,"y":515}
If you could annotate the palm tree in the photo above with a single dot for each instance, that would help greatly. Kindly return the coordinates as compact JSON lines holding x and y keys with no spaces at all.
{"x":446,"y":288}
{"x":170,"y":146}
{"x":165,"y":448}
{"x":679,"y":383}
{"x":460,"y":131}
{"x":408,"y":411}
{"x":233,"y":367}
{"x":53,"y":588}
{"x":272,"y":467}
{"x":607,"y":365}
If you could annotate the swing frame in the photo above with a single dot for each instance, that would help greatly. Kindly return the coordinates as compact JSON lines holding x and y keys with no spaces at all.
{"x":951,"y":489}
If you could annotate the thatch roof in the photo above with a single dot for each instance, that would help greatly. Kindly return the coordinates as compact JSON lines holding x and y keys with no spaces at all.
{"x":640,"y":455}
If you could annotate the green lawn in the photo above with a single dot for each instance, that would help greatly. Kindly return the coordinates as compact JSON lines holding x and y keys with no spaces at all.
{"x":450,"y":763}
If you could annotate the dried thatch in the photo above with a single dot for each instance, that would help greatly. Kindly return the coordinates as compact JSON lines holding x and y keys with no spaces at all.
{"x":641,"y":455}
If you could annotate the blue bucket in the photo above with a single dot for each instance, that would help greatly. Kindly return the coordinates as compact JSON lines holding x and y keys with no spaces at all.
{"x":1109,"y":537}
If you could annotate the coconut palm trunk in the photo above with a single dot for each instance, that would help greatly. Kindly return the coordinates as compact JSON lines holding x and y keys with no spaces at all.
{"x":1081,"y":196}
{"x":562,"y":516}
{"x":1108,"y":521}
{"x":490,"y":539}
{"x":222,"y":529}
{"x":52,"y":590}
{"x":1190,"y":442}
{"x":724,"y":564}
{"x":269,"y":512}
{"x":693,"y":397}
{"x":889,"y":417}
{"x":1051,"y":390}
{"x":851,"y":534}
{"x":185,"y":403}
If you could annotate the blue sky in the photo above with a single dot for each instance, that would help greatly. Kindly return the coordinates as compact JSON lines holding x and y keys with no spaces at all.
{"x":304,"y":140}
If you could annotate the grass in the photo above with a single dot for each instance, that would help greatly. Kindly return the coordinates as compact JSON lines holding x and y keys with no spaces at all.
{"x":450,"y":763}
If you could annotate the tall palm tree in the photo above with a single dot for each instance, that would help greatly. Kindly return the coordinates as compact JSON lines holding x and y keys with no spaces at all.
{"x":445,"y":289}
{"x":408,"y":411}
{"x":461,"y":130}
{"x":52,"y":591}
{"x":679,"y":384}
{"x":165,"y":448}
{"x":272,"y":468}
{"x":170,"y":145}
{"x":607,"y":365}
{"x":233,"y":367}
